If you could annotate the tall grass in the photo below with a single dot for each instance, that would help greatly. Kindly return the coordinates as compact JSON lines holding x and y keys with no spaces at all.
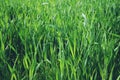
{"x":59,"y":40}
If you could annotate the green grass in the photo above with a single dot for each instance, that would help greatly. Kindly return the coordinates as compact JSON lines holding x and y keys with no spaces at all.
{"x":59,"y":40}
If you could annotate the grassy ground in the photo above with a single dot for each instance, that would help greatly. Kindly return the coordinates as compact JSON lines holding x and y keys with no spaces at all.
{"x":59,"y":40}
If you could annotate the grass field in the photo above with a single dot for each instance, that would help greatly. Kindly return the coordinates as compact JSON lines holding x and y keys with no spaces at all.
{"x":59,"y":39}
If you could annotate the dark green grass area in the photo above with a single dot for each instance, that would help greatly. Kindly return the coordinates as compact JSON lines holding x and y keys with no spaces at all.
{"x":59,"y":40}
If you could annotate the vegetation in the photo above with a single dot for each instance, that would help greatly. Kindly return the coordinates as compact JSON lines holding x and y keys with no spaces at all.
{"x":59,"y":40}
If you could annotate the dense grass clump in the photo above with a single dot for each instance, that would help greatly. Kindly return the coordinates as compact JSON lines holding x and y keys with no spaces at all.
{"x":59,"y":40}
